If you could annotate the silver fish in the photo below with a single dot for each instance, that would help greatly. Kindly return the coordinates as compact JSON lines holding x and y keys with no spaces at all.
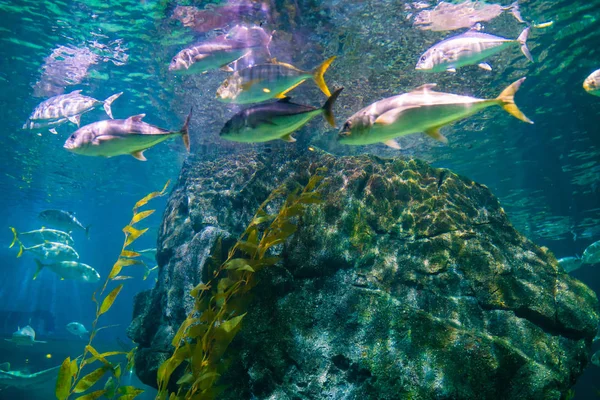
{"x":24,"y":337}
{"x":469,"y":48}
{"x":272,"y":121}
{"x":570,"y":264}
{"x":73,"y":270}
{"x":42,"y":235}
{"x":220,"y":51}
{"x":64,"y":220}
{"x":422,"y":110}
{"x":66,"y":107}
{"x":77,"y":329}
{"x":122,"y":136}
{"x":592,"y":83}
{"x":50,"y":251}
{"x":591,"y":255}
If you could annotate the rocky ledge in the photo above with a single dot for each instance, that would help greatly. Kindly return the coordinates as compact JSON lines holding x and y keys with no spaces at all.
{"x":407,"y":282}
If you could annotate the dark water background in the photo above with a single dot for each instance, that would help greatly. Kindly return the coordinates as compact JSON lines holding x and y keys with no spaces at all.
{"x":547,"y":176}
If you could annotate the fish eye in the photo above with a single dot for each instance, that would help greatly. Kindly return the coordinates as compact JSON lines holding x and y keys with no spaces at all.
{"x":423,"y":58}
{"x":226,"y":84}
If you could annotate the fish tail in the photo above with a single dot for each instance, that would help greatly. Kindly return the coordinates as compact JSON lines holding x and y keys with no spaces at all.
{"x":328,"y":107}
{"x":39,"y":269}
{"x":108,"y":102}
{"x":318,"y":76}
{"x":87,"y":231}
{"x":18,"y":241}
{"x":506,"y":100}
{"x":522,"y":39}
{"x":184,"y":131}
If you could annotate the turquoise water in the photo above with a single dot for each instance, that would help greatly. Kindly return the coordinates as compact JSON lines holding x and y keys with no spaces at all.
{"x":546,"y":175}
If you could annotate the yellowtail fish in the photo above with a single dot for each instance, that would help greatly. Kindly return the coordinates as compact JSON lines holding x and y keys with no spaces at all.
{"x":72,"y":270}
{"x":43,"y":235}
{"x":277,"y":120}
{"x":268,"y":81}
{"x":592,"y":83}
{"x":220,"y":51}
{"x":117,"y":137}
{"x":422,"y":110}
{"x":469,"y":48}
{"x":66,"y":107}
{"x":49,"y":250}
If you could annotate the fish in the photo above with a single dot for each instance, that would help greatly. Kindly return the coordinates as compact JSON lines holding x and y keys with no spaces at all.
{"x":219,"y":52}
{"x":39,"y":382}
{"x":64,"y":220}
{"x":596,"y":358}
{"x":591,"y":255}
{"x":148,"y":271}
{"x":77,"y":329}
{"x":116,"y":137}
{"x":218,"y":17}
{"x":72,"y":270}
{"x":469,"y":48}
{"x":273,"y":121}
{"x":267,"y":81}
{"x":59,"y":109}
{"x":24,"y":337}
{"x":592,"y":83}
{"x":50,"y":251}
{"x":570,"y":264}
{"x":422,"y":110}
{"x":149,"y":254}
{"x":43,"y":235}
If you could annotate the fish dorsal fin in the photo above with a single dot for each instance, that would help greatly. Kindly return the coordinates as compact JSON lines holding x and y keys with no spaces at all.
{"x":75,"y":92}
{"x":425,"y":88}
{"x":137,"y":118}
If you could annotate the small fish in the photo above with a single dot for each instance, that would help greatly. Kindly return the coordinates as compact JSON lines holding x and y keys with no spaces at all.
{"x":469,"y":48}
{"x":72,"y":270}
{"x":148,"y":271}
{"x":149,"y":254}
{"x":24,"y":337}
{"x":220,"y":51}
{"x":64,"y":220}
{"x":43,"y":235}
{"x":66,"y":107}
{"x":263,"y":82}
{"x":592,"y":83}
{"x":77,"y":329}
{"x":50,"y":251}
{"x":422,"y":110}
{"x":116,"y":137}
{"x":596,"y":358}
{"x":272,"y":121}
{"x":570,"y":264}
{"x":591,"y":255}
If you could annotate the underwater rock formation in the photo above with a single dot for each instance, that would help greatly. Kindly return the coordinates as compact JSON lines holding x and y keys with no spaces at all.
{"x":408,"y":281}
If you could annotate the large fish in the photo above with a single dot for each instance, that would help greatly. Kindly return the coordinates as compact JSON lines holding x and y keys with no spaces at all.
{"x":73,"y":270}
{"x":272,"y":121}
{"x":422,"y":110}
{"x":591,"y":255}
{"x":570,"y":264}
{"x":220,"y":51}
{"x":268,"y":81}
{"x":469,"y":48}
{"x":117,"y":137}
{"x":592,"y":83}
{"x":67,"y":107}
{"x":63,"y":220}
{"x":42,"y":235}
{"x":24,"y":337}
{"x":50,"y":251}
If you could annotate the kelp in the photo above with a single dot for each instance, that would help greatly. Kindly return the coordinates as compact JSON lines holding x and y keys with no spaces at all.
{"x":71,"y":381}
{"x":222,"y":300}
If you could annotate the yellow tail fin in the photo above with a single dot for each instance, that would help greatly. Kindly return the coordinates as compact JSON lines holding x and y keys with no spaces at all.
{"x":507,"y":101}
{"x":318,"y":76}
{"x":16,"y":240}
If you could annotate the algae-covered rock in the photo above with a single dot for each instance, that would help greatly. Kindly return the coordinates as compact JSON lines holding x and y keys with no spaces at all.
{"x":407,"y":282}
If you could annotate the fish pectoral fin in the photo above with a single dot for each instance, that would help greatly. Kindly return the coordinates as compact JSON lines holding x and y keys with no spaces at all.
{"x":485,"y":66}
{"x":393,"y":144}
{"x":75,"y":120}
{"x":436,"y":134}
{"x":139,"y":155}
{"x":249,"y":84}
{"x":226,"y":68}
{"x":391,"y":116}
{"x":450,"y":69}
{"x":137,"y":118}
{"x":426,"y":87}
{"x":53,"y":131}
{"x":288,"y":138}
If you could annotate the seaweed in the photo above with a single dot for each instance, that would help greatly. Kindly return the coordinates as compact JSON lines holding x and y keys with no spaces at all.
{"x":71,"y":381}
{"x":222,"y":301}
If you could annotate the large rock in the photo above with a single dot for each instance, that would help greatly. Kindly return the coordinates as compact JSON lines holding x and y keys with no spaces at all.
{"x":407,"y":282}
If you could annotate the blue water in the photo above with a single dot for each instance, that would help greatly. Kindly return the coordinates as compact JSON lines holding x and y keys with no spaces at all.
{"x":546,"y":175}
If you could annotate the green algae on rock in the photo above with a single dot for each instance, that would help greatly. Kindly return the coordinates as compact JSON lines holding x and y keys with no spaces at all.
{"x":406,"y":282}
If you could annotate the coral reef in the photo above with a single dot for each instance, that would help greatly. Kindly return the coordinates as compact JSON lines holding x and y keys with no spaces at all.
{"x":406,"y":282}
